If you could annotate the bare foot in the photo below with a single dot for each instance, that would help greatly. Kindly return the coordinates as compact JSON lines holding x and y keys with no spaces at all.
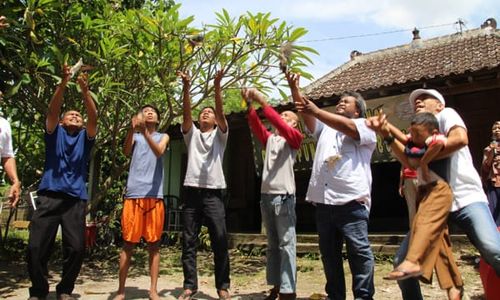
{"x":406,"y":269}
{"x":154,"y":295}
{"x":455,"y":293}
{"x":119,"y":296}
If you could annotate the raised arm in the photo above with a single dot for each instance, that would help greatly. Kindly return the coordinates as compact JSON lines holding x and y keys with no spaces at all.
{"x":89,"y":105}
{"x":135,"y":124}
{"x":380,"y":125}
{"x":255,"y":123}
{"x":376,"y":122}
{"x":336,"y":121}
{"x":9,"y":165}
{"x":187,"y":119}
{"x":289,"y":133}
{"x":299,"y":100}
{"x":219,"y":109}
{"x":55,"y":104}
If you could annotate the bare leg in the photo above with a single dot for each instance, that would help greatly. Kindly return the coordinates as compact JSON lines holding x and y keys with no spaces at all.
{"x":154,"y":268}
{"x":125,"y":256}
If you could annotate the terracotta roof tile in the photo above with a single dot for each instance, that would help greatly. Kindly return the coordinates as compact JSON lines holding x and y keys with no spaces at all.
{"x":458,"y":53}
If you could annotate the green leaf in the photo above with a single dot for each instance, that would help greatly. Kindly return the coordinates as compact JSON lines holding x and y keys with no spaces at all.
{"x":297,"y":33}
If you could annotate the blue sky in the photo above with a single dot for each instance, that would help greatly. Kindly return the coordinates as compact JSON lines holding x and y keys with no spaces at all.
{"x":332,"y":19}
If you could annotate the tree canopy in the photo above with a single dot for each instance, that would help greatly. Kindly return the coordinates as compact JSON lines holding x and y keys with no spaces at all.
{"x":134,"y":48}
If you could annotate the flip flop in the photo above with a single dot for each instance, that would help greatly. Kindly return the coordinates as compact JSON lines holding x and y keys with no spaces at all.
{"x":402,"y":274}
{"x":187,"y":295}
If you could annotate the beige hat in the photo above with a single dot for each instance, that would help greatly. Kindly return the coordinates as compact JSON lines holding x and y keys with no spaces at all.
{"x":419,"y":92}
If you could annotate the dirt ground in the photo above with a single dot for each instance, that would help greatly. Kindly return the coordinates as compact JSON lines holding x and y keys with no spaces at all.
{"x":98,"y":278}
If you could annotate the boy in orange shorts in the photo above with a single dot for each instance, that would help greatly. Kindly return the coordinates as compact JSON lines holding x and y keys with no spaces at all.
{"x":143,"y":210}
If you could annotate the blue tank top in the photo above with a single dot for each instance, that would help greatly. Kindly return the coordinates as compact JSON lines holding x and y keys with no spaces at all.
{"x":66,"y":162}
{"x":145,"y":177}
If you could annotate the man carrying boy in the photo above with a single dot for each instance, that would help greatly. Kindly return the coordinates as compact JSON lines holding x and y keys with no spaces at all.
{"x":62,"y":194}
{"x":204,"y":185}
{"x":143,"y":211}
{"x":277,"y":204}
{"x":430,"y":245}
{"x":469,"y":209}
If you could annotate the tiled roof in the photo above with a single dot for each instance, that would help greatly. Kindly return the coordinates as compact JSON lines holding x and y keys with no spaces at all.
{"x":472,"y":50}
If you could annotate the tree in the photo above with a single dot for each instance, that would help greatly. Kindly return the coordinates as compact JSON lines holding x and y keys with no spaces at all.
{"x":135,"y":49}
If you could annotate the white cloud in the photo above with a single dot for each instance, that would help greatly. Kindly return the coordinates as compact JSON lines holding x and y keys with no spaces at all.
{"x":390,"y":13}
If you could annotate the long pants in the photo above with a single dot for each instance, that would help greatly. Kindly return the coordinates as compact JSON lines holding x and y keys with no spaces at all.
{"x":430,"y":244}
{"x":493,"y":194}
{"x":349,"y":222}
{"x":278,"y":214}
{"x":204,"y":206}
{"x":54,"y":209}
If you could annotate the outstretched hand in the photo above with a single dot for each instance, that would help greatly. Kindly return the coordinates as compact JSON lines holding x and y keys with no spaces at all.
{"x":83,"y":81}
{"x":306,"y":106}
{"x":186,"y":79}
{"x":378,"y":124}
{"x":252,"y":94}
{"x":3,"y":22}
{"x":66,"y":74}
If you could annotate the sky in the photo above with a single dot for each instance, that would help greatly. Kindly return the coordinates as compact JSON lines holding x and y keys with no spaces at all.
{"x":331,"y":21}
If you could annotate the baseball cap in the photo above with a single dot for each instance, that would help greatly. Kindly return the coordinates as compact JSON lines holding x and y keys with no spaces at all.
{"x":419,"y":92}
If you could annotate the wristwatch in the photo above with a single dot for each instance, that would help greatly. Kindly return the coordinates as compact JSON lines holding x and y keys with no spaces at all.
{"x":388,"y":140}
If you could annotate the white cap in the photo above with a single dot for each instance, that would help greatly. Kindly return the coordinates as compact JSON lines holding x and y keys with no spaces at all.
{"x":419,"y":92}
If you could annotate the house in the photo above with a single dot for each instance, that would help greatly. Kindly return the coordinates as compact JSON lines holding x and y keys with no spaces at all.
{"x":464,"y":67}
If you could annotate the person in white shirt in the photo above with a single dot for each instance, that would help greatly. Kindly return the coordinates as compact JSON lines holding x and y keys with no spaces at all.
{"x":470,"y":206}
{"x":340,"y":189}
{"x":203,"y":189}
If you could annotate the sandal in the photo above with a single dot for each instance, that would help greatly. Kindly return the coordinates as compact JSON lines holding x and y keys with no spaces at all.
{"x":400,"y":274}
{"x":187,"y":294}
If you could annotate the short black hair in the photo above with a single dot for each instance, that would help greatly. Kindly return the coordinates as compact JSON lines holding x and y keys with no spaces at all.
{"x":427,"y":119}
{"x":205,"y":107}
{"x":153,"y":107}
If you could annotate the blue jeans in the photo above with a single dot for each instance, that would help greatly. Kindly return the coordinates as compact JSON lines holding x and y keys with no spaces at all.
{"x":475,"y":219}
{"x":350,"y":222}
{"x":278,"y":215}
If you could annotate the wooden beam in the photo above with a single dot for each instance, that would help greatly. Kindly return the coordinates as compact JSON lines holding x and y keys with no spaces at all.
{"x":472,"y":87}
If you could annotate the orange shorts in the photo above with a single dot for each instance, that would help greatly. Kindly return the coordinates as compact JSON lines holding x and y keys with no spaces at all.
{"x":142,"y":217}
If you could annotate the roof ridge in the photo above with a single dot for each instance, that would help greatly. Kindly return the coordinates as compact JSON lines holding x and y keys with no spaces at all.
{"x":424,"y":44}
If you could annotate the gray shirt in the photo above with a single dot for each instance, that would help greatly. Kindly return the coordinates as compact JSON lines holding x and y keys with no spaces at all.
{"x":277,"y":175}
{"x":205,"y":157}
{"x":145,"y":178}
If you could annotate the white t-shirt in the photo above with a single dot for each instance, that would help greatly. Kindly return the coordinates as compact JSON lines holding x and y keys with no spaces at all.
{"x":6,"y":149}
{"x":341,"y":169}
{"x":205,"y":157}
{"x":464,"y":178}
